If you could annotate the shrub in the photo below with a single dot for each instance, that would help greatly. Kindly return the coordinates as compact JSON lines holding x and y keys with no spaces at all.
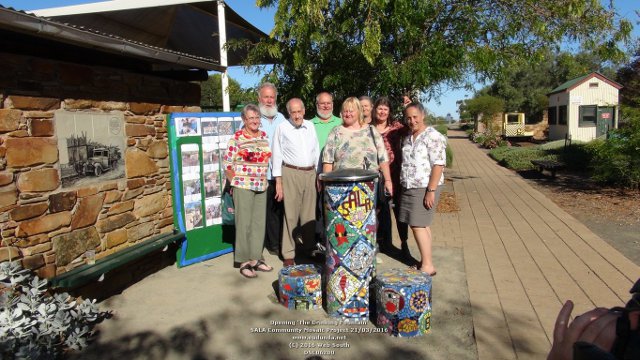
{"x":518,"y":158}
{"x":477,"y":137}
{"x":442,"y":129}
{"x":577,"y":156}
{"x":449,"y":153}
{"x":616,"y":161}
{"x":492,"y":141}
{"x":498,"y":154}
{"x":468,"y":127}
{"x":552,"y":145}
{"x":37,"y":325}
{"x":488,"y":140}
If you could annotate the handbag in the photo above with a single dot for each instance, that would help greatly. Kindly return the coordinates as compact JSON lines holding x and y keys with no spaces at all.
{"x":381,"y":195}
{"x":228,"y":210}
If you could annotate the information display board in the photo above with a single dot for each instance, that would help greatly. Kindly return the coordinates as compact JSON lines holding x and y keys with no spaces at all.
{"x":196,"y":144}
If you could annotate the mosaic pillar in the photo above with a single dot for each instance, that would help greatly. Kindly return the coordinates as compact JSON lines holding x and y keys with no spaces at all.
{"x":350,"y":223}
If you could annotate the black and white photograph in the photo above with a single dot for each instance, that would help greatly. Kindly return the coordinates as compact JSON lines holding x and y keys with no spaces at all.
{"x":91,"y":147}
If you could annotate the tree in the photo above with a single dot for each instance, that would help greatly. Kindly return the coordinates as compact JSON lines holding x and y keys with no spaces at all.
{"x":375,"y":47}
{"x":211,"y":93}
{"x":629,"y":77}
{"x":483,"y":107}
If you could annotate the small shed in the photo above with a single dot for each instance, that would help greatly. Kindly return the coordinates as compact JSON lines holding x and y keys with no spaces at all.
{"x":583,"y":108}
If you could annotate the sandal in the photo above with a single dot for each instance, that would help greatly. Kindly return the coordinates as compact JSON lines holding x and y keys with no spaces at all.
{"x":262,"y":266}
{"x":251,"y":274}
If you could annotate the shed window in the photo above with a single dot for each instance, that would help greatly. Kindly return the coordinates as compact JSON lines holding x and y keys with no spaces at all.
{"x":562,"y":115}
{"x":593,"y":85}
{"x":587,"y":116}
{"x":552,"y":115}
{"x":512,"y":119}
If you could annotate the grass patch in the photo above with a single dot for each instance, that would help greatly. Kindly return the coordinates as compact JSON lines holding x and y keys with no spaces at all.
{"x":518,"y":158}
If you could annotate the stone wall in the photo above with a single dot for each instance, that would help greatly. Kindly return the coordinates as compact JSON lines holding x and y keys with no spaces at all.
{"x":49,"y":228}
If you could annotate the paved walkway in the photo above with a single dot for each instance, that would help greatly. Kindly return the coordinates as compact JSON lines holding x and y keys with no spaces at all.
{"x":524,"y":256}
{"x":506,"y":262}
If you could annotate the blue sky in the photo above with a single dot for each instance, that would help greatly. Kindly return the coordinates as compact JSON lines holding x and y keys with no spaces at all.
{"x":263,"y":19}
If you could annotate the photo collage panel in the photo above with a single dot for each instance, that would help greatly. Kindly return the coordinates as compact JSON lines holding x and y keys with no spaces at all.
{"x":215,"y":134}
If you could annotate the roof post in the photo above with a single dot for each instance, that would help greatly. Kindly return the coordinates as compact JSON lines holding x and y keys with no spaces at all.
{"x":222,"y":31}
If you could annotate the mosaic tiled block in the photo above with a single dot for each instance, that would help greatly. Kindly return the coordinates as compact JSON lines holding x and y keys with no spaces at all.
{"x":403,"y":302}
{"x":300,"y":287}
{"x":350,"y":223}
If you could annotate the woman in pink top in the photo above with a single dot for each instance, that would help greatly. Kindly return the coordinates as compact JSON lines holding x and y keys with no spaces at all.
{"x":245,"y":166}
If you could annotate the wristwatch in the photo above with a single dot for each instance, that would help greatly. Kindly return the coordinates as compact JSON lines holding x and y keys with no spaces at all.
{"x":431,"y":190}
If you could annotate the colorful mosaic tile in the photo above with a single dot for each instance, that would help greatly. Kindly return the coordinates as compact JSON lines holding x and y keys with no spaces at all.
{"x":350,"y":226}
{"x":300,"y":287}
{"x":403,"y":302}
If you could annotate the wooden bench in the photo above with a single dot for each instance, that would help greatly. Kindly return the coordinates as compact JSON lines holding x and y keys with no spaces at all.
{"x":88,"y":272}
{"x":550,"y":165}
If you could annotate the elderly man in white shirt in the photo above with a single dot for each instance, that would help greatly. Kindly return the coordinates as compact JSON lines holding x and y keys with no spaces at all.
{"x":295,"y":157}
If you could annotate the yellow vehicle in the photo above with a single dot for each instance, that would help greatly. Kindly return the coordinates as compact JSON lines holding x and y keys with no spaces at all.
{"x":513,"y":126}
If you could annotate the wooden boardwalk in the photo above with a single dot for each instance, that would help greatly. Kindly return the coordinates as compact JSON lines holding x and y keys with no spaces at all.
{"x":524,"y":256}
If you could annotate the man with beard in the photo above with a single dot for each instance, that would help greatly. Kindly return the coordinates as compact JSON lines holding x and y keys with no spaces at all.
{"x":323,"y":122}
{"x":270,"y":118}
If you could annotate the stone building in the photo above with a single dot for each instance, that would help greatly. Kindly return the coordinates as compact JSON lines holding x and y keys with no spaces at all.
{"x":53,"y":71}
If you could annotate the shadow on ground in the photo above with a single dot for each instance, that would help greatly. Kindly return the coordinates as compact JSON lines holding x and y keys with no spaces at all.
{"x":207,"y":311}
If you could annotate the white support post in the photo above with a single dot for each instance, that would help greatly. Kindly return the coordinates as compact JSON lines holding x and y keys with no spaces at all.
{"x":222,"y":32}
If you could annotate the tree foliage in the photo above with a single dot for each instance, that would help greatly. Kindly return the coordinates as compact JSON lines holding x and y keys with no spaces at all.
{"x":355,"y":47}
{"x":211,"y":93}
{"x":629,"y":77}
{"x":483,"y":107}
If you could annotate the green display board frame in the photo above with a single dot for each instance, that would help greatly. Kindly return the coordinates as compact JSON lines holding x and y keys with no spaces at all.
{"x":197,"y":204}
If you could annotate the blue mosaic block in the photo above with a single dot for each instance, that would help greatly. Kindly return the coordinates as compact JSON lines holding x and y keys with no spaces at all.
{"x":300,"y":287}
{"x":403,"y":302}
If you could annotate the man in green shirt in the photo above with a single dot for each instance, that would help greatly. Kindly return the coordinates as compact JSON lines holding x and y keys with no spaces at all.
{"x":324,"y":120}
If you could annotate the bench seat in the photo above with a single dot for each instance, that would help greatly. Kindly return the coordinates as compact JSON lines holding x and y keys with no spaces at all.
{"x":550,"y":165}
{"x":88,"y":272}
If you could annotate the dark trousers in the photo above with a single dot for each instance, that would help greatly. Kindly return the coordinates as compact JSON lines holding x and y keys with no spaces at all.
{"x":275,"y":209}
{"x":384,"y":226}
{"x":403,"y":228}
{"x":321,"y":236}
{"x":384,"y":238}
